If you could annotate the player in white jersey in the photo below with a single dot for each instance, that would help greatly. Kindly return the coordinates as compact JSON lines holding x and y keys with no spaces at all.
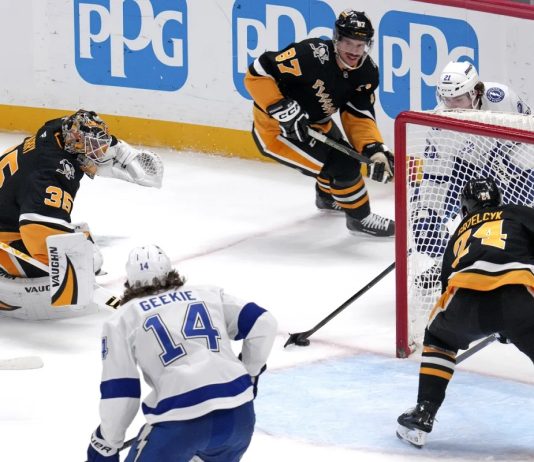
{"x":179,"y":336}
{"x":460,"y":88}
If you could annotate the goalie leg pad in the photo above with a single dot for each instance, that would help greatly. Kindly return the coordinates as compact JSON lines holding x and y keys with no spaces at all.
{"x":98,"y":258}
{"x":29,"y":299}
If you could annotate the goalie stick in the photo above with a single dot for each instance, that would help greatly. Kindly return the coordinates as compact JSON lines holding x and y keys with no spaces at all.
{"x":102,"y":296}
{"x":301,"y":338}
{"x":21,"y":363}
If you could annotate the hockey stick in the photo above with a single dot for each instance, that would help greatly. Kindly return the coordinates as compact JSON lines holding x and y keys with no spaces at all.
{"x":101,"y":295}
{"x":337,"y":145}
{"x":301,"y":338}
{"x":471,"y":351}
{"x":21,"y":363}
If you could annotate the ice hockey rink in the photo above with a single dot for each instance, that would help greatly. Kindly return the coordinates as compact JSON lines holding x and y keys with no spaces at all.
{"x":252,"y":228}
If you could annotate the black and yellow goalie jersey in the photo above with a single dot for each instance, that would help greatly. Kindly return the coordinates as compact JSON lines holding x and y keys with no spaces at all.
{"x":38,"y":184}
{"x":308,"y":72}
{"x":491,"y":248}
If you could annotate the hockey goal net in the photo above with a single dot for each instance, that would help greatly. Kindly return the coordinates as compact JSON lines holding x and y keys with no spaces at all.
{"x":436,"y":152}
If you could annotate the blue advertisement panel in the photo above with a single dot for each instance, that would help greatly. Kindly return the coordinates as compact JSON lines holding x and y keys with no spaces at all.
{"x":132,"y":43}
{"x":413,"y":49}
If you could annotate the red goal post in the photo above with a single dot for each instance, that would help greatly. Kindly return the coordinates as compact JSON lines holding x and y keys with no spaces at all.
{"x":477,"y":136}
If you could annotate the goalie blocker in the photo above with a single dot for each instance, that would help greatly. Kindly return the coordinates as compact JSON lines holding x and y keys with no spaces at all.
{"x":68,"y":291}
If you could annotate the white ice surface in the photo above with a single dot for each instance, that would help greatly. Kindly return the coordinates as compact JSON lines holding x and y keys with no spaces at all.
{"x":252,"y":228}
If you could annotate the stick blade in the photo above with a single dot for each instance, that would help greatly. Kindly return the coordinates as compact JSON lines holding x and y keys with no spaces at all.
{"x":21,"y":363}
{"x":298,"y":339}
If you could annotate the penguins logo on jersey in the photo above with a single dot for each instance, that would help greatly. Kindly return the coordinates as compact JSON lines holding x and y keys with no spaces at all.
{"x":67,"y":169}
{"x":495,"y":95}
{"x":320,"y":52}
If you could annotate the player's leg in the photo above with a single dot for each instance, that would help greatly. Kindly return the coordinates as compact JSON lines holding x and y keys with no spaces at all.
{"x":231,"y":434}
{"x":449,"y":330}
{"x":350,"y":193}
{"x":518,"y":318}
{"x":30,"y":299}
{"x":172,"y":441}
{"x":15,"y":266}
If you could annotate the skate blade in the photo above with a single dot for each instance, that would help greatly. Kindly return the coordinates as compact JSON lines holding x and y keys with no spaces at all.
{"x":414,"y":437}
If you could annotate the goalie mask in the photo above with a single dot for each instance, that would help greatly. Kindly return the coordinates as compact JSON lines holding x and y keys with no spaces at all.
{"x":86,"y":135}
{"x":353,"y":38}
{"x":479,"y":193}
{"x":146,"y":264}
{"x":459,"y":86}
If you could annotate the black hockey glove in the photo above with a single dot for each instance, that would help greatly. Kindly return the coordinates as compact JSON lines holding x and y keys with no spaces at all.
{"x":381,"y":168}
{"x":293,"y":120}
{"x":255,"y":380}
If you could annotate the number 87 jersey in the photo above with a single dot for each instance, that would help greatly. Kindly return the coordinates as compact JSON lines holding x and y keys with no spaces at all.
{"x":181,"y":341}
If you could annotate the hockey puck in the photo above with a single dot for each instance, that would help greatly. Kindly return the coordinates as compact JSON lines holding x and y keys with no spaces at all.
{"x":302,"y":342}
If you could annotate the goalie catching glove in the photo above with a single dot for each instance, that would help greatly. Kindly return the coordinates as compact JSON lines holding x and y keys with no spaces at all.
{"x":292,"y":118}
{"x":382,"y":161}
{"x":129,"y":164}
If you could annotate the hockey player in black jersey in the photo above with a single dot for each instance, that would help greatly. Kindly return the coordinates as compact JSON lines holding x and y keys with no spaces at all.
{"x":39,"y":180}
{"x":304,"y":85}
{"x":487,"y":282}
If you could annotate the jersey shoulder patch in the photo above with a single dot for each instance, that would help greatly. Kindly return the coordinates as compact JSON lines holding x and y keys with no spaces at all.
{"x":320,"y":51}
{"x":495,"y":94}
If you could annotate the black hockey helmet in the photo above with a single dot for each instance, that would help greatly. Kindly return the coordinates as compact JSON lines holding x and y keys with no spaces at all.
{"x":354,"y":25}
{"x":479,"y":193}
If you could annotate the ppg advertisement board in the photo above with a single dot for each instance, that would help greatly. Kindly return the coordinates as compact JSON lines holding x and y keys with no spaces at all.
{"x":183,"y":61}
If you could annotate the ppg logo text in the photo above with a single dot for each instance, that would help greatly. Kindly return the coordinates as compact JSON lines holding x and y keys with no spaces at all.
{"x":132,"y":43}
{"x":414,"y":49}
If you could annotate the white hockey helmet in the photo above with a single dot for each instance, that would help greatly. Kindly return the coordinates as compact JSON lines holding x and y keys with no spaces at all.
{"x":457,"y":79}
{"x":146,"y":263}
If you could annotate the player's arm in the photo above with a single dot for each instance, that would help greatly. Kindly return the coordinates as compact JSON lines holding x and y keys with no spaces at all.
{"x":263,"y":80}
{"x":268,"y":73}
{"x":127,"y":163}
{"x":255,"y":326}
{"x":359,"y":123}
{"x":517,"y":104}
{"x":120,"y":388}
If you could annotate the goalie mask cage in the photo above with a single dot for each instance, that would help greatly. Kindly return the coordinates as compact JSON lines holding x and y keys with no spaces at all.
{"x":436,"y":152}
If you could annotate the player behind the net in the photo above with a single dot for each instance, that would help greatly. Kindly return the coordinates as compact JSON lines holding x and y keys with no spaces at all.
{"x":302,"y":86}
{"x":487,"y":287}
{"x":450,"y":161}
{"x":179,"y":336}
{"x":38,"y":188}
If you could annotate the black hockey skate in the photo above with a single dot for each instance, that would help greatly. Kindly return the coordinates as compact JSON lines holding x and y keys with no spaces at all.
{"x":326,"y":203}
{"x":372,"y":224}
{"x":415,"y":424}
{"x":429,"y":279}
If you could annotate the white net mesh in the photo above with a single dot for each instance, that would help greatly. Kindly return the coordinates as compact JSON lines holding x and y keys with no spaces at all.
{"x":439,"y":163}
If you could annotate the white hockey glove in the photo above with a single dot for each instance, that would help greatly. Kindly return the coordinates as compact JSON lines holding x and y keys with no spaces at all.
{"x":381,"y":168}
{"x":292,"y":118}
{"x":144,"y":168}
{"x":100,"y":450}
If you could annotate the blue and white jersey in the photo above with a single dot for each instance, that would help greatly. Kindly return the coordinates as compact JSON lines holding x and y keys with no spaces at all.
{"x":451,"y":158}
{"x":498,"y":97}
{"x":181,"y":341}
